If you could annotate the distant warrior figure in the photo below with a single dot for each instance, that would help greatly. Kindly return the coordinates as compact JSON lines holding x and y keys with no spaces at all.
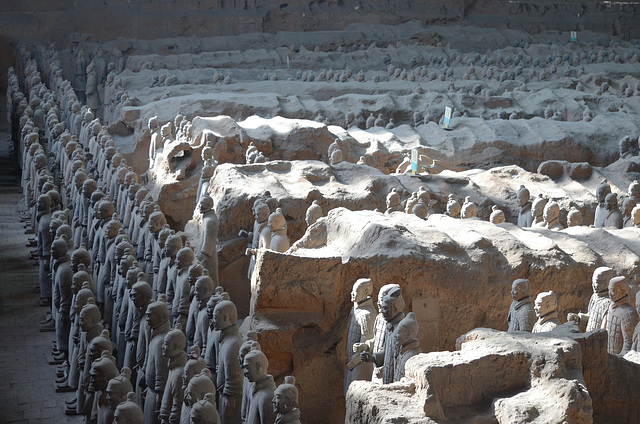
{"x":208,"y":254}
{"x":574,"y":218}
{"x":453,"y":207}
{"x":497,"y":215}
{"x":601,"y":210}
{"x":537,"y":211}
{"x":599,"y":302}
{"x":469,"y":209}
{"x":360,"y":329}
{"x":627,"y":206}
{"x":393,"y":202}
{"x":279,"y":240}
{"x":521,"y":316}
{"x":314,"y":212}
{"x":407,"y":345}
{"x":613,"y":219}
{"x":80,"y":76}
{"x":551,"y":215}
{"x":524,"y":215}
{"x":546,"y":308}
{"x":93,"y":96}
{"x":621,"y":319}
{"x":634,"y":191}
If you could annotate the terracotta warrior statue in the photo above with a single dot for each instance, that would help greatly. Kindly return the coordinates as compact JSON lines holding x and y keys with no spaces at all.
{"x":521,"y":316}
{"x":314,"y":212}
{"x":128,"y":412}
{"x":197,"y":388}
{"x":546,"y":308}
{"x":551,"y":215}
{"x":453,"y":207}
{"x":278,"y":225}
{"x":613,"y":217}
{"x":627,"y":206}
{"x":574,"y":217}
{"x":360,"y":329}
{"x":156,"y":368}
{"x":260,"y":409}
{"x":250,"y":344}
{"x":261,"y":232}
{"x":229,"y":377}
{"x":180,"y":304}
{"x":497,"y":215}
{"x":173,"y":348}
{"x":391,"y":309}
{"x":285,"y":402}
{"x":204,"y":411}
{"x":599,"y":302}
{"x":102,"y":371}
{"x":208,"y":253}
{"x":393,"y":202}
{"x":117,"y":390}
{"x":469,"y":209}
{"x":195,"y":364}
{"x":407,"y":345}
{"x":601,"y":209}
{"x":537,"y":210}
{"x":524,"y":215}
{"x":621,"y":319}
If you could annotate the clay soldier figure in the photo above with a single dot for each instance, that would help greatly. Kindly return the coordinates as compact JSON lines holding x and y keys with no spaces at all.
{"x":469,"y":209}
{"x":204,"y":411}
{"x":199,"y":385}
{"x":360,"y":329}
{"x":497,"y":215}
{"x":172,"y":246}
{"x":250,"y":344}
{"x":44,"y":251}
{"x":173,"y":348}
{"x":621,"y":319}
{"x":108,"y":269}
{"x":203,"y":290}
{"x":102,"y":371}
{"x":391,"y":309}
{"x":93,"y":96}
{"x":195,"y":364}
{"x":524,"y":215}
{"x":551,"y":215}
{"x":453,"y":207}
{"x":279,"y":240}
{"x":229,"y":377}
{"x":128,"y":412}
{"x":627,"y":206}
{"x":140,"y":299}
{"x":537,"y":211}
{"x":255,"y":370}
{"x":80,"y":76}
{"x":314,"y":212}
{"x":205,"y":178}
{"x":376,"y":344}
{"x":213,"y":336}
{"x":599,"y":302}
{"x":180,"y":305}
{"x":574,"y":217}
{"x":63,"y":293}
{"x":634,"y":191}
{"x":546,"y":308}
{"x":613,"y":217}
{"x":208,"y":253}
{"x":393,"y":202}
{"x":285,"y":402}
{"x":118,"y":389}
{"x":601,"y":210}
{"x":261,"y":231}
{"x":521,"y":317}
{"x":156,"y":140}
{"x":156,"y":365}
{"x":407,"y":345}
{"x":153,"y":252}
